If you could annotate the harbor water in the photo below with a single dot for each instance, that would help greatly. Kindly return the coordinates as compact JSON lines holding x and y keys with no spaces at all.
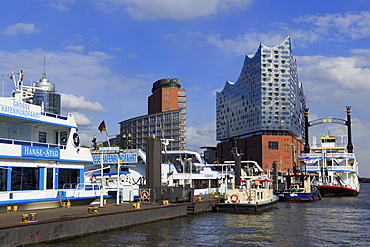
{"x":339,"y":221}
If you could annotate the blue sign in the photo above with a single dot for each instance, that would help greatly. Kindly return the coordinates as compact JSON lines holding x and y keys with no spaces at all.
{"x":129,"y":158}
{"x":113,"y":158}
{"x":38,"y":152}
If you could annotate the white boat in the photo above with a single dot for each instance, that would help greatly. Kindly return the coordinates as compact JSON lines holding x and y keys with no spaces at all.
{"x":41,"y":160}
{"x":187,"y":168}
{"x":178,"y":169}
{"x":254,"y":195}
{"x":337,"y":168}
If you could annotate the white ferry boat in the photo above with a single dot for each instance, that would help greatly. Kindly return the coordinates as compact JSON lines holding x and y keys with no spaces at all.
{"x":337,"y":169}
{"x":41,"y":160}
{"x":178,"y":169}
{"x":187,"y":168}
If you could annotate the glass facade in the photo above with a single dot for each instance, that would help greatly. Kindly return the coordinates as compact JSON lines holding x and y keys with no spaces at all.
{"x":46,"y":96}
{"x":49,"y":100}
{"x":266,"y":97}
{"x":165,"y":125}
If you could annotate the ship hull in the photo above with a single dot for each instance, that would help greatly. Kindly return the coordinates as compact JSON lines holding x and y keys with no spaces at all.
{"x":299,"y":197}
{"x":327,"y":190}
{"x":247,"y":208}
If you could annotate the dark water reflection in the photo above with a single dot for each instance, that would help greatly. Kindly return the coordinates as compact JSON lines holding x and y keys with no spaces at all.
{"x":329,"y":222}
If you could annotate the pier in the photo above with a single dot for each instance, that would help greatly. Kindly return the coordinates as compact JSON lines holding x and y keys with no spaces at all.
{"x":47,"y":225}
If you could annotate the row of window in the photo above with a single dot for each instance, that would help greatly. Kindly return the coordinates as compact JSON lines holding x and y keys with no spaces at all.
{"x":26,"y":178}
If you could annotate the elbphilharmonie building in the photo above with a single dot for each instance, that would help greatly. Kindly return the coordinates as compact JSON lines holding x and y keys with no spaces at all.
{"x":266,"y":101}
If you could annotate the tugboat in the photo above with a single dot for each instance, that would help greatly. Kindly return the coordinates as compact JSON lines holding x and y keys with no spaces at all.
{"x":254,"y":195}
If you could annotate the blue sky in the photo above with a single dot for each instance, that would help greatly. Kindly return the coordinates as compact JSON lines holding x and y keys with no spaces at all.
{"x":104,"y":55}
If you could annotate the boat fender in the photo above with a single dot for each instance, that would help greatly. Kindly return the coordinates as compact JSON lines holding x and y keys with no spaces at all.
{"x":234,"y":197}
{"x":144,"y":194}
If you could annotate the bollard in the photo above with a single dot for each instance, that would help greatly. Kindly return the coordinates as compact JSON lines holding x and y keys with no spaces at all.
{"x":216,"y":197}
{"x":68,"y":204}
{"x":136,"y":205}
{"x":64,"y":204}
{"x":164,"y":202}
{"x":8,"y":209}
{"x":24,"y":217}
{"x":212,"y":193}
{"x":90,"y":210}
{"x":95,"y":210}
{"x":200,"y":198}
{"x":32,"y":216}
{"x":15,"y":208}
{"x":105,"y":201}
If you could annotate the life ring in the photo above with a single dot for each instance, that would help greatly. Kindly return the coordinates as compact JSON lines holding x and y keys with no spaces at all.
{"x":234,"y":197}
{"x":144,"y":194}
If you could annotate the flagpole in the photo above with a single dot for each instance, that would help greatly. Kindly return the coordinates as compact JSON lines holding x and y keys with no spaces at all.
{"x":107,"y":138}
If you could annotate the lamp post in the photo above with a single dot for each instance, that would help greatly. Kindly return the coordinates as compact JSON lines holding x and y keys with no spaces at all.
{"x":119,"y":161}
{"x":101,"y":181}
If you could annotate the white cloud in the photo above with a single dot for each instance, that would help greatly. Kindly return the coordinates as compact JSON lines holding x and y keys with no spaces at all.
{"x":82,"y":119}
{"x":73,"y":102}
{"x":169,"y":9}
{"x":21,"y":28}
{"x":245,"y":43}
{"x":361,"y":51}
{"x":197,"y":136}
{"x":338,"y":73}
{"x":353,"y":24}
{"x":61,"y":4}
{"x":78,"y":48}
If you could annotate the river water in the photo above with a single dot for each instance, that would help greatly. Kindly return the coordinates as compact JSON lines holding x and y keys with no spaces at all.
{"x":342,"y":221}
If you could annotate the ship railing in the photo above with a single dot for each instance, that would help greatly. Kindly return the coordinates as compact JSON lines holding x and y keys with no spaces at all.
{"x":32,"y":144}
{"x":81,"y":186}
{"x":336,"y":168}
{"x":327,"y":155}
{"x":78,"y":187}
{"x":48,"y":114}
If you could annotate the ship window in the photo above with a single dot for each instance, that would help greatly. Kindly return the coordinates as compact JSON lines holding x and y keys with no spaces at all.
{"x":68,"y":178}
{"x":24,"y":178}
{"x":3,"y":173}
{"x":42,"y":137}
{"x":49,"y":178}
{"x":273,"y":145}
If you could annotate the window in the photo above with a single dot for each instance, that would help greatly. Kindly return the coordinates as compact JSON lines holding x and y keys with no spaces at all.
{"x":273,"y":145}
{"x":49,"y":178}
{"x":68,"y":178}
{"x":24,"y":178}
{"x":3,"y":175}
{"x":42,"y":137}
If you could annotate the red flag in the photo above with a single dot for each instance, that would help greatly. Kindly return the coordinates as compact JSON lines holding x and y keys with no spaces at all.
{"x":102,"y":127}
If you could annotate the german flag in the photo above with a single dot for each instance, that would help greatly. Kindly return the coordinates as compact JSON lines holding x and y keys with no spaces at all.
{"x":102,"y":127}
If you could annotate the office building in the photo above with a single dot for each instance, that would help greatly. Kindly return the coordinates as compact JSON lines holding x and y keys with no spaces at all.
{"x":166,"y":118}
{"x":262,"y":113}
